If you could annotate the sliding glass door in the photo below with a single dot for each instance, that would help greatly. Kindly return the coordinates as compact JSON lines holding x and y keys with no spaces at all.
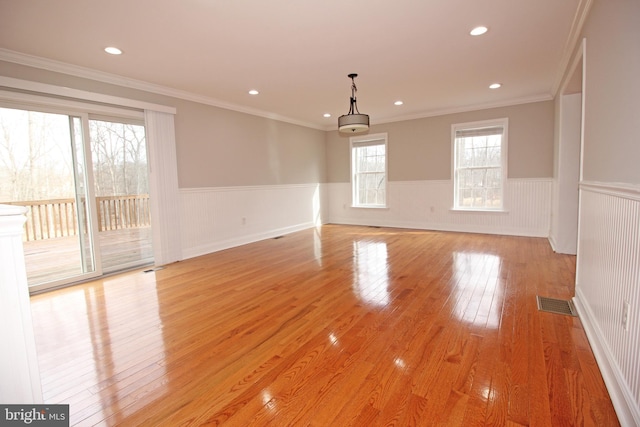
{"x":42,"y":166}
{"x":121,"y":182}
{"x":85,"y":182}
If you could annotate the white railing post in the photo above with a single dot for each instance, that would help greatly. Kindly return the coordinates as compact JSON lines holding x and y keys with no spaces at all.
{"x":18,"y":360}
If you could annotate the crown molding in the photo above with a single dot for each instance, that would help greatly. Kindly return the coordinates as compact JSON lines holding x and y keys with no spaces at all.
{"x":582,"y":12}
{"x":114,"y":79}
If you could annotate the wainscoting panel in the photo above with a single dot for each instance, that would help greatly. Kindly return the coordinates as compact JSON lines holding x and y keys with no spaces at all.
{"x":427,"y":205}
{"x":607,"y":278}
{"x":213,"y":219}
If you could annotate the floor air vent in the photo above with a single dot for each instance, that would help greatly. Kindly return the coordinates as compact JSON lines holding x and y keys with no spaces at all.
{"x":558,"y":306}
{"x":153,"y":269}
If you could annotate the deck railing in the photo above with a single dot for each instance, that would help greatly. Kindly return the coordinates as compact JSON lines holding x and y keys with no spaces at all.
{"x":48,"y":219}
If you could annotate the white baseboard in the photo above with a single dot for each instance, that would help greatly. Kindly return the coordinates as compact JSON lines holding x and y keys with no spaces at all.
{"x":243,"y":240}
{"x":627,"y":410}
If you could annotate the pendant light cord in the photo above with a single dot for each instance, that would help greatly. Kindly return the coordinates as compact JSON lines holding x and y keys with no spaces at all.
{"x":353,"y":108}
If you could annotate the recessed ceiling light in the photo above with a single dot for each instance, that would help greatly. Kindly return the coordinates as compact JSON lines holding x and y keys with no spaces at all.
{"x":478,"y":31}
{"x":253,"y":92}
{"x":327,"y":115}
{"x":398,"y":103}
{"x":113,"y":50}
{"x":495,"y":85}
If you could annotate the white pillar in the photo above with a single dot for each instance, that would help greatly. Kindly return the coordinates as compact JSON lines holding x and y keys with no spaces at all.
{"x":19,"y":373}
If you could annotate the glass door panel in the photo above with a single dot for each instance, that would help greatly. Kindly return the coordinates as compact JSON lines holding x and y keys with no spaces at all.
{"x":121,"y":183}
{"x":42,"y":167}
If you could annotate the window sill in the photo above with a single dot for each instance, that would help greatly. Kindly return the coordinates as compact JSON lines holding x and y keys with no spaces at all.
{"x":496,"y":211}
{"x":369,"y":207}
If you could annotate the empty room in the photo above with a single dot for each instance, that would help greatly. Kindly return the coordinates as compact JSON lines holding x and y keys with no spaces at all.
{"x":320,"y":214}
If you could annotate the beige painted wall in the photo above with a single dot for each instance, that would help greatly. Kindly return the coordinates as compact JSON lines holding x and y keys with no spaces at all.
{"x":218,"y":147}
{"x":222,"y":148}
{"x":421,"y":149}
{"x":612,"y":93}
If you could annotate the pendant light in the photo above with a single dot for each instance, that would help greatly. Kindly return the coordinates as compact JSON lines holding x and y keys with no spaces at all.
{"x":353,"y":122}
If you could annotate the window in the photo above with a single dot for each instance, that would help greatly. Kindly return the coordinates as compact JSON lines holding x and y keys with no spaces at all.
{"x":479,"y":164}
{"x":369,"y":170}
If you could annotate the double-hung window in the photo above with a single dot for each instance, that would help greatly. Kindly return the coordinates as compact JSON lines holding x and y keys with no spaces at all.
{"x":369,"y":170}
{"x":479,"y":164}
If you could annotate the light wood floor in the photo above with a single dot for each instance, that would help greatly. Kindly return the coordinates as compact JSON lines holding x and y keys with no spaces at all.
{"x":331,"y":327}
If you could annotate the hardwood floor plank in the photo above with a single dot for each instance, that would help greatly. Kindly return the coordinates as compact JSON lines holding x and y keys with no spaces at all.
{"x":540,"y":410}
{"x":518,"y":361}
{"x":340,"y":325}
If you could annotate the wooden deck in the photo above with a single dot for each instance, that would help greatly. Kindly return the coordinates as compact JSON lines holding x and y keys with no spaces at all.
{"x":338,"y":326}
{"x":59,"y":258}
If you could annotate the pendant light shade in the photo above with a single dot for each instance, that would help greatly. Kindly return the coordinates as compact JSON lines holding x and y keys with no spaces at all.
{"x":353,"y":122}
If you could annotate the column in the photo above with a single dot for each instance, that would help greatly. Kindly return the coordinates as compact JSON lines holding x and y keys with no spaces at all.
{"x":18,"y":360}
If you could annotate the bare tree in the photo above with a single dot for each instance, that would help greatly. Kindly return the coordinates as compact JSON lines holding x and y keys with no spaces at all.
{"x":119,"y":158}
{"x":33,"y":148}
{"x":137,"y":179}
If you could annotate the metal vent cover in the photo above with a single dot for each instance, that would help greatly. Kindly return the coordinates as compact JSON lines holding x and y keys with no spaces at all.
{"x":557,"y":306}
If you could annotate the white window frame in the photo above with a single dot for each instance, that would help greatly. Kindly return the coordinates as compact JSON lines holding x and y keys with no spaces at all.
{"x":502,"y":122}
{"x":362,"y":141}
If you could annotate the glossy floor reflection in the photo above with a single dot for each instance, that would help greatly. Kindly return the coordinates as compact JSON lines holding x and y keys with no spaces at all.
{"x":338,"y":325}
{"x":371,"y":272}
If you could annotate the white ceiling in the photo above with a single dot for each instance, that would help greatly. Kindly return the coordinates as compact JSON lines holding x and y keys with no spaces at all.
{"x":298,"y":53}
